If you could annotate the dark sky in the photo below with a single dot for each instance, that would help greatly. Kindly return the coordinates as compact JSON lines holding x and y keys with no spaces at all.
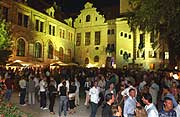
{"x":69,"y":6}
{"x":76,"y":5}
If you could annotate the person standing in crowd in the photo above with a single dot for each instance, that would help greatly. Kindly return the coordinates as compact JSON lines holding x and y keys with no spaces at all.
{"x":94,"y":98}
{"x":37,"y":88}
{"x":130,"y":104}
{"x":87,"y":86}
{"x":168,"y":110}
{"x":23,"y":86}
{"x":111,"y":89}
{"x":107,"y":107}
{"x":72,"y":93}
{"x":150,"y":107}
{"x":31,"y":90}
{"x":77,"y":83}
{"x":153,"y":90}
{"x":166,"y":93}
{"x":9,"y":87}
{"x":63,"y":98}
{"x":52,"y":95}
{"x":43,"y":87}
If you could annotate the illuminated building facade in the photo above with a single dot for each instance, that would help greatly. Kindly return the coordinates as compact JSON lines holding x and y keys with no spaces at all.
{"x":37,"y":37}
{"x":89,"y":40}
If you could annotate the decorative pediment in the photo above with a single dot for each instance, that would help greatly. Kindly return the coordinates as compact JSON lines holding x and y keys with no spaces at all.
{"x":88,"y":5}
{"x":50,"y":11}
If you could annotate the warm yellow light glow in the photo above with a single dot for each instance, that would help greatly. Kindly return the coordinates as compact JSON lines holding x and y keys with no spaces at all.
{"x":171,"y":74}
{"x":114,"y":66}
{"x":176,"y":67}
{"x":103,"y":65}
{"x":18,"y":61}
{"x":90,"y":65}
{"x":175,"y":76}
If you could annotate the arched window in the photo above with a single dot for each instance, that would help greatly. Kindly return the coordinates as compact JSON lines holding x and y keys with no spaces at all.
{"x":69,"y":55}
{"x":50,"y":51}
{"x":96,"y":59}
{"x":88,"y":17}
{"x":86,"y":61}
{"x":21,"y":47}
{"x":38,"y":50}
{"x":61,"y":53}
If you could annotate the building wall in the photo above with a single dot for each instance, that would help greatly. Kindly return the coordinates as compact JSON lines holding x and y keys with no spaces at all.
{"x":30,"y":35}
{"x":115,"y":33}
{"x":96,"y":23}
{"x":127,"y":41}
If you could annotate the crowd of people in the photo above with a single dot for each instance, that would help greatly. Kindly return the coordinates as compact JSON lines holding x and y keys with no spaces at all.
{"x":120,"y":93}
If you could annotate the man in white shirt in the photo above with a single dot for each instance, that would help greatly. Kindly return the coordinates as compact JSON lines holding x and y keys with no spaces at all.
{"x":22,"y":84}
{"x":94,"y":98}
{"x":150,"y":108}
{"x":130,"y":104}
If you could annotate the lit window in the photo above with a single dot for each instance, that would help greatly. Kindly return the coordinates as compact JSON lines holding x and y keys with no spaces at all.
{"x":78,"y":39}
{"x":87,"y":38}
{"x":38,"y":50}
{"x":166,"y":55}
{"x":96,"y":59}
{"x":21,"y":47}
{"x":50,"y":51}
{"x":97,"y":38}
{"x":86,"y":61}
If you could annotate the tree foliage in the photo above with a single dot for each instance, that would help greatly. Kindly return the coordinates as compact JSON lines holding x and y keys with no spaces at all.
{"x":5,"y":42}
{"x":159,"y":16}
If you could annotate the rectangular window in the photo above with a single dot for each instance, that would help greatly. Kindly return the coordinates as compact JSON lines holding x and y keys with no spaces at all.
{"x":26,"y":21}
{"x":63,"y":34}
{"x":152,"y":38}
{"x":78,"y":39}
{"x":20,"y":19}
{"x":60,"y":33}
{"x":41,"y":26}
{"x":109,"y":32}
{"x":37,"y":25}
{"x":50,"y":29}
{"x":142,"y":37}
{"x":53,"y":30}
{"x":97,"y":38}
{"x":5,"y":13}
{"x":152,"y":54}
{"x":112,"y":31}
{"x":71,"y":36}
{"x":87,"y":38}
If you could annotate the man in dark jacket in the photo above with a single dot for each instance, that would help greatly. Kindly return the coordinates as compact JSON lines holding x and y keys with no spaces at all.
{"x":107,"y":110}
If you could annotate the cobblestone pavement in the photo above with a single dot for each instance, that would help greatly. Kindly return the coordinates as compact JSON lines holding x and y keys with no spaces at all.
{"x":81,"y":110}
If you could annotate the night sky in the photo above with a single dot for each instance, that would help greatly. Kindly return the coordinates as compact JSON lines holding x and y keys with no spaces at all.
{"x":70,"y":6}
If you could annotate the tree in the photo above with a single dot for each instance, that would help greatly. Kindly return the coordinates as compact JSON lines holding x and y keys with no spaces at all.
{"x":5,"y":42}
{"x":158,"y":17}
